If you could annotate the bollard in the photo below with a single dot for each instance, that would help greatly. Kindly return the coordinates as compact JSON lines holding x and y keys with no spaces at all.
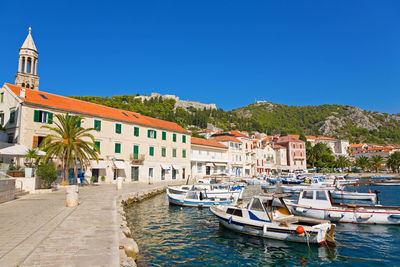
{"x":72,"y":196}
{"x":119,"y":183}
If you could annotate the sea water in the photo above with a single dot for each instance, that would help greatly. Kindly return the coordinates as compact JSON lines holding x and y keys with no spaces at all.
{"x":180,"y":236}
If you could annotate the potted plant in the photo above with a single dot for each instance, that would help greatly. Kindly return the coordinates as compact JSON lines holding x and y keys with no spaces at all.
{"x":103,"y":178}
{"x":92,"y":179}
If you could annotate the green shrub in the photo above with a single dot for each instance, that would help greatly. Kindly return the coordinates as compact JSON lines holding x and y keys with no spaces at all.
{"x":47,"y":173}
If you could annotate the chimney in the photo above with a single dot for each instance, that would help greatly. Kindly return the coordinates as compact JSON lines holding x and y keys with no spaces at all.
{"x":22,"y":93}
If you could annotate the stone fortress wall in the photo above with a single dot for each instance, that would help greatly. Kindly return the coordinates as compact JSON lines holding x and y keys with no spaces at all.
{"x":180,"y":103}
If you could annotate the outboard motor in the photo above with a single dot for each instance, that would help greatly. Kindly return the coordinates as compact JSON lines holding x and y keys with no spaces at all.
{"x":376,"y":193}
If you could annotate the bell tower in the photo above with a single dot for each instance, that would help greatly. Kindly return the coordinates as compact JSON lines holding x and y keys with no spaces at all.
{"x":27,"y":68}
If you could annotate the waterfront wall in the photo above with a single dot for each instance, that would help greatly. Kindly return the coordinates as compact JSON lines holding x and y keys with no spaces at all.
{"x":7,"y":190}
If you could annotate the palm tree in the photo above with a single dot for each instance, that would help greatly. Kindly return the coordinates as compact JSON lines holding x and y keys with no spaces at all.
{"x":376,"y":162}
{"x":68,"y":144}
{"x":362,"y":162}
{"x":31,"y":156}
{"x":393,"y":161}
{"x":342,"y":162}
{"x":311,"y":156}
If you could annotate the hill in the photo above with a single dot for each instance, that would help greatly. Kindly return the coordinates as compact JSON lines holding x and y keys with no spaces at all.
{"x":352,"y":123}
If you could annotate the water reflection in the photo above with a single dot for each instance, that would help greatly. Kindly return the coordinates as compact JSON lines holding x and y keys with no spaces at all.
{"x":172,"y":235}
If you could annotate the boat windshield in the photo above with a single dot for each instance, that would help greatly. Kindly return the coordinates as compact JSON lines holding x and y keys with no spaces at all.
{"x":257,"y":206}
{"x":192,"y":195}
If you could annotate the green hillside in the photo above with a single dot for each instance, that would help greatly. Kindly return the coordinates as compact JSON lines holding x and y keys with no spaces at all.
{"x":338,"y":121}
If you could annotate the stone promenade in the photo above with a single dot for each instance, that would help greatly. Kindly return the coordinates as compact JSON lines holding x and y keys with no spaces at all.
{"x":38,"y":230}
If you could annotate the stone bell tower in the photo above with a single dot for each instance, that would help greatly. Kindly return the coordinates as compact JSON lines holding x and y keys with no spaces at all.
{"x":27,"y":67}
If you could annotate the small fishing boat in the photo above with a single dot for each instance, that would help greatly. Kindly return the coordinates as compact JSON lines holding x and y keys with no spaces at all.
{"x":212,"y":190}
{"x":319,"y":204}
{"x":340,"y":194}
{"x":262,"y":218}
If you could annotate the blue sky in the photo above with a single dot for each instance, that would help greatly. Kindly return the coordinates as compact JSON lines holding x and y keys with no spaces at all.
{"x":224,"y":52}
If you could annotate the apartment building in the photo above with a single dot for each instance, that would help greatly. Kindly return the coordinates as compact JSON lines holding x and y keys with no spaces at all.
{"x":208,"y":158}
{"x":235,"y":153}
{"x":295,"y":152}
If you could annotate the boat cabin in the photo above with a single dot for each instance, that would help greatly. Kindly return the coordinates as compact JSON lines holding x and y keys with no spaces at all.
{"x":268,"y":207}
{"x":318,"y":198}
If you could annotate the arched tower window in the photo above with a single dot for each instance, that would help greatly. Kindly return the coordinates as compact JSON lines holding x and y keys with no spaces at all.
{"x":23,"y":84}
{"x":29,"y":65}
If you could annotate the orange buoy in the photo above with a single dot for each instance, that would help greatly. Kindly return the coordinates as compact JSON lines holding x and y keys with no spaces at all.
{"x":369,"y":191}
{"x":300,"y":229}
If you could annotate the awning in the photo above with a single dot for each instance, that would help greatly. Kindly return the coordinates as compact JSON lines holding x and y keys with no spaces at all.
{"x":210,"y":165}
{"x":102,"y":164}
{"x":165,"y":166}
{"x":18,"y":150}
{"x":220,"y":164}
{"x":119,"y":164}
{"x":176,"y":167}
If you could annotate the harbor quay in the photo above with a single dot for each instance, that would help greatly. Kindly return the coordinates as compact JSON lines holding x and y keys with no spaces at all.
{"x":39,"y":230}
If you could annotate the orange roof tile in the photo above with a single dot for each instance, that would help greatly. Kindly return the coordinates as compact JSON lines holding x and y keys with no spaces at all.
{"x":356,"y":145}
{"x":224,"y":138}
{"x":310,"y":137}
{"x":288,"y":138}
{"x":79,"y":106}
{"x":206,"y":142}
{"x":236,"y":133}
{"x":294,"y":136}
{"x":325,"y":138}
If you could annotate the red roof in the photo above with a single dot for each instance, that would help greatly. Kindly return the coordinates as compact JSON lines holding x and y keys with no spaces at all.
{"x":356,"y":145}
{"x":224,"y":138}
{"x":288,"y":138}
{"x":325,"y":138}
{"x":74,"y":105}
{"x":236,"y":133}
{"x":310,"y":137}
{"x":206,"y":142}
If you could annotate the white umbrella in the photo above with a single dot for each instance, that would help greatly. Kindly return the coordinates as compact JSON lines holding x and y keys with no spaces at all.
{"x":18,"y":150}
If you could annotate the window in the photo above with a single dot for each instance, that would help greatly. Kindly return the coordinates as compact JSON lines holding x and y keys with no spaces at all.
{"x":118,"y":128}
{"x":257,"y":205}
{"x":163,"y":151}
{"x":135,"y":152}
{"x":183,"y":153}
{"x":1,"y":119}
{"x":12,"y":116}
{"x":174,"y":152}
{"x":117,"y":148}
{"x":151,"y":172}
{"x":136,"y":131}
{"x":174,"y":174}
{"x":321,"y":195}
{"x":162,"y":174}
{"x":174,"y":137}
{"x":164,"y":136}
{"x":97,"y":125}
{"x":96,"y":146}
{"x":308,"y":194}
{"x":151,"y":134}
{"x":151,"y":150}
{"x":42,"y":116}
{"x":2,"y":97}
{"x":183,"y":138}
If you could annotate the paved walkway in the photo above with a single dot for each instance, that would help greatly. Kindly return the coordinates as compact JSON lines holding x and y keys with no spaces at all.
{"x":38,"y":230}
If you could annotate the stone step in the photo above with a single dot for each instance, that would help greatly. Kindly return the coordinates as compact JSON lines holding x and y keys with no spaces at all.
{"x":20,"y":193}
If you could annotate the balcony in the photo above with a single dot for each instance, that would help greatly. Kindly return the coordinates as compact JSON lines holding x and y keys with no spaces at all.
{"x":137,"y":159}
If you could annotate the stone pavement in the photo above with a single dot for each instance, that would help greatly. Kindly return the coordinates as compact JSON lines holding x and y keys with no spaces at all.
{"x":38,"y":230}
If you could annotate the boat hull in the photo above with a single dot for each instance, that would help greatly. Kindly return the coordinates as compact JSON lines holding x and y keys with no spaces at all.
{"x":196,"y":203}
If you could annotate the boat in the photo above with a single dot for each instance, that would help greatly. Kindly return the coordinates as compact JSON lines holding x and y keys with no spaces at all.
{"x":262,"y":218}
{"x":203,"y":195}
{"x":319,"y":204}
{"x":387,"y":183}
{"x":340,"y":194}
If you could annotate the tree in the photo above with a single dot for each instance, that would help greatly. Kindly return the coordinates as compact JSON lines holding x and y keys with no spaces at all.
{"x":68,"y":144}
{"x":342,"y":162}
{"x":376,"y":162}
{"x":393,"y":161}
{"x":362,"y":162}
{"x":47,"y":173}
{"x":32,"y":157}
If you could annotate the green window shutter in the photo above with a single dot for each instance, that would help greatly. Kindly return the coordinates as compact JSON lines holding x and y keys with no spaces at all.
{"x":148,"y":133}
{"x":155,"y":134}
{"x":174,"y":137}
{"x":117,"y":148}
{"x":164,"y":136}
{"x":163,"y":151}
{"x":183,"y":138}
{"x":49,"y":117}
{"x":151,"y":151}
{"x":79,"y":123}
{"x":184,"y":153}
{"x":174,"y":152}
{"x":36,"y":116}
{"x":118,"y":128}
{"x":136,"y":131}
{"x":12,"y":116}
{"x":97,"y":146}
{"x":97,"y":125}
{"x":135,"y":152}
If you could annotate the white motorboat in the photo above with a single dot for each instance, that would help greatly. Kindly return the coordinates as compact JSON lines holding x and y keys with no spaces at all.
{"x":319,"y":204}
{"x":262,"y":218}
{"x":212,"y":190}
{"x":340,"y":194}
